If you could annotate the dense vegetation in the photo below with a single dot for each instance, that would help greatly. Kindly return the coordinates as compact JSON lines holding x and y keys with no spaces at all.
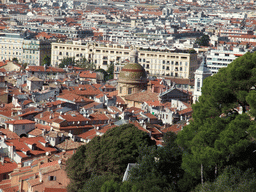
{"x":215,"y":152}
{"x":203,"y":41}
{"x":106,"y":155}
{"x":219,"y":136}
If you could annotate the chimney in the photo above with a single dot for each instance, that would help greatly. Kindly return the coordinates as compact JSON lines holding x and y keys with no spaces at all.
{"x":2,"y":160}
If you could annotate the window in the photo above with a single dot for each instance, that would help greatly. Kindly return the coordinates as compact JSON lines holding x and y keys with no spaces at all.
{"x":23,"y":127}
{"x":129,"y":91}
{"x":120,"y":90}
{"x":52,"y":178}
{"x":198,"y":84}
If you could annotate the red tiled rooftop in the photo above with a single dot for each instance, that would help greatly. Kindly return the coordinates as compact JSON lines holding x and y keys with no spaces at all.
{"x":19,"y":122}
{"x":8,"y":166}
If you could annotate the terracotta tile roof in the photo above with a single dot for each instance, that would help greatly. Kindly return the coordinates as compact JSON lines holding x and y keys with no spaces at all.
{"x":84,"y":90}
{"x":134,"y":110}
{"x":154,"y":103}
{"x":8,"y":133}
{"x":8,"y":166}
{"x":91,"y":105}
{"x":69,"y":144}
{"x":43,"y":69}
{"x":26,"y":102}
{"x":21,"y":145}
{"x":47,"y":116}
{"x":142,"y":96}
{"x":20,"y":122}
{"x":36,"y":132}
{"x":29,"y":113}
{"x":88,"y":74}
{"x":2,"y":70}
{"x":119,"y":100}
{"x":22,"y":170}
{"x":113,"y":93}
{"x":74,"y":117}
{"x":174,"y":128}
{"x":149,"y":115}
{"x":34,"y":182}
{"x":101,"y":117}
{"x":40,"y":126}
{"x":46,"y":189}
{"x":49,"y":164}
{"x":106,"y":128}
{"x":11,"y":189}
{"x":186,"y":111}
{"x":75,"y":98}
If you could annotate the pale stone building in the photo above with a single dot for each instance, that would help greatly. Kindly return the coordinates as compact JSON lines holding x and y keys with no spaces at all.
{"x":201,"y":73}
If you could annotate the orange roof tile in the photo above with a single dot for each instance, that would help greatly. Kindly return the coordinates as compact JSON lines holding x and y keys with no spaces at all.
{"x":19,"y":122}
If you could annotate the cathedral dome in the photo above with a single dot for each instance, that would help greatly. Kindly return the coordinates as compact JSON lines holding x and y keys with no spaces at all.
{"x":133,"y":72}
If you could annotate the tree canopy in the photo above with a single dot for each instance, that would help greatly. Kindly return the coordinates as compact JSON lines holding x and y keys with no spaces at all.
{"x":158,"y":167}
{"x":46,"y":60}
{"x":66,"y":61}
{"x":203,"y":41}
{"x":109,"y":154}
{"x":218,"y":135}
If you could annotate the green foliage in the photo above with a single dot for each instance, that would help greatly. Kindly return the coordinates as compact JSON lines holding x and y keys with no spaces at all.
{"x":126,"y":187}
{"x":67,"y":61}
{"x":15,"y":60}
{"x":158,"y":168}
{"x":83,"y":63}
{"x":203,"y":41}
{"x":232,"y":179}
{"x":76,"y":170}
{"x":46,"y":60}
{"x":108,"y":154}
{"x":218,"y":136}
{"x":110,"y":72}
{"x":110,"y":186}
{"x":94,"y":183}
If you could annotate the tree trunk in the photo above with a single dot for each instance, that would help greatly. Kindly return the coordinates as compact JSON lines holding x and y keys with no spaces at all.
{"x":202,"y":174}
{"x":216,"y":171}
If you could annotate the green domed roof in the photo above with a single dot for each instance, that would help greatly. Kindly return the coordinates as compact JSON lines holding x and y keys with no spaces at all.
{"x":133,"y":72}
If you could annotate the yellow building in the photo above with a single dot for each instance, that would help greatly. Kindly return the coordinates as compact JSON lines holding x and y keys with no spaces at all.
{"x":156,"y":61}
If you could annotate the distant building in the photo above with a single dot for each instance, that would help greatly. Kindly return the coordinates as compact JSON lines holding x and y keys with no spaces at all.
{"x":220,"y":58}
{"x":156,"y":61}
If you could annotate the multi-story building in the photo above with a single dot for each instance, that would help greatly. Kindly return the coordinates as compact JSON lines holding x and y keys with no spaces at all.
{"x":28,"y":51}
{"x":102,"y":55}
{"x":157,"y":62}
{"x":220,"y":58}
{"x":165,"y":62}
{"x":35,"y":50}
{"x":11,"y":47}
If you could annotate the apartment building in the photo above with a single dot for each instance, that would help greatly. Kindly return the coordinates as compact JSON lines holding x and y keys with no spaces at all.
{"x":220,"y":58}
{"x":156,"y":61}
{"x":28,"y":51}
{"x":35,"y":50}
{"x":166,"y":62}
{"x":11,"y":47}
{"x":102,"y":55}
